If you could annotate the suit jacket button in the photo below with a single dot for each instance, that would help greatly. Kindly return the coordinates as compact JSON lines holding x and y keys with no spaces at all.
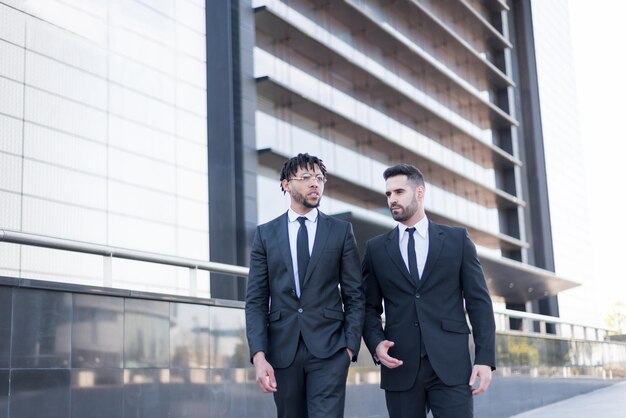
{"x":300,"y":310}
{"x":417,"y":324}
{"x":417,"y":296}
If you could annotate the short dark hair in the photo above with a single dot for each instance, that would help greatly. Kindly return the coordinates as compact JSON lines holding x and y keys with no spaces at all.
{"x":291,"y":166}
{"x":412,"y":173}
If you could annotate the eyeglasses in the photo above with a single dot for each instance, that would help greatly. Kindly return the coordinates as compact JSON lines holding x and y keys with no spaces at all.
{"x":306,"y":178}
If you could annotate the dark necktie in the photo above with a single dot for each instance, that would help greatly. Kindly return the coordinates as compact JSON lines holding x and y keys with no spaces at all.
{"x":415,"y":275}
{"x":302,"y":246}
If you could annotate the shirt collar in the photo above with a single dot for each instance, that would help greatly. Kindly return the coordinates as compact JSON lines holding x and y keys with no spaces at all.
{"x":310,"y":215}
{"x":421,"y":227}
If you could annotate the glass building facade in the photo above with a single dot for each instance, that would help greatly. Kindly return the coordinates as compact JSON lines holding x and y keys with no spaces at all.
{"x":565,"y":159}
{"x":103,"y":126}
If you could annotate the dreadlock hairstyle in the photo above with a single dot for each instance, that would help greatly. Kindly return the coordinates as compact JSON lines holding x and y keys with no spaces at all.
{"x":291,"y":166}
{"x":412,"y":173}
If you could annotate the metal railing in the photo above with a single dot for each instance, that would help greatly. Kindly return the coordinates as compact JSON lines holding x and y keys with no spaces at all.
{"x":532,"y":323}
{"x":108,"y":253}
{"x":529,"y":322}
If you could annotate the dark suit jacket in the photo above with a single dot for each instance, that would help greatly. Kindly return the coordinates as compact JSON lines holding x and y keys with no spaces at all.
{"x":329,"y":318}
{"x":432,"y":310}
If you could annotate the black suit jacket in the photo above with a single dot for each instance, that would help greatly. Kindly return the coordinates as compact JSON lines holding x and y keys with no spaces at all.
{"x":431,"y":310}
{"x":330,"y":311}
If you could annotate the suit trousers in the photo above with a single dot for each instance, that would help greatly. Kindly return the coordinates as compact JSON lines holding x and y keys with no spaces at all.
{"x":429,"y":392}
{"x":311,"y":387}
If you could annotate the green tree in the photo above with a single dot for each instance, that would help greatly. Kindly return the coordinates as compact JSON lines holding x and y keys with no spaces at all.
{"x":616,"y":319}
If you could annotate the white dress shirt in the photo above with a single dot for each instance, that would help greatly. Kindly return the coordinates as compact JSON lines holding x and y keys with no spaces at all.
{"x":421,"y":243}
{"x":293,"y":227}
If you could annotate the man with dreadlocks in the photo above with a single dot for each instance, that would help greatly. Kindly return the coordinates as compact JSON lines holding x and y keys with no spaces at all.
{"x":304,"y":302}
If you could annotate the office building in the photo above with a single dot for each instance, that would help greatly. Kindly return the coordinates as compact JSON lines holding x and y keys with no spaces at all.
{"x":105,"y":129}
{"x":566,"y":170}
{"x":447,"y":86}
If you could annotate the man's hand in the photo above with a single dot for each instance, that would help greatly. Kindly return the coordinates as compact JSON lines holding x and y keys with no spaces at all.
{"x":385,"y":359}
{"x":264,"y":373}
{"x":484,"y":374}
{"x":350,"y":354}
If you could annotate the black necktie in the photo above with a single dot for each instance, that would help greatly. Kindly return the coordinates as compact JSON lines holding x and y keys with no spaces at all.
{"x":302,"y":246}
{"x":415,"y":275}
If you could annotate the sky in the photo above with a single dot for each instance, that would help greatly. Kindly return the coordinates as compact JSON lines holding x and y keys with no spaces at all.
{"x":598,"y":30}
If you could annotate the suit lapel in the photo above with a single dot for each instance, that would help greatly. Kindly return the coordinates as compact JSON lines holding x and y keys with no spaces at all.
{"x":393,"y":249}
{"x":321,"y":236}
{"x":435,"y":244}
{"x":282,"y":233}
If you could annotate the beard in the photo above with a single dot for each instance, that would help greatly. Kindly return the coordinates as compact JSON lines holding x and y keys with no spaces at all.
{"x":404,"y":213}
{"x":304,"y":201}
